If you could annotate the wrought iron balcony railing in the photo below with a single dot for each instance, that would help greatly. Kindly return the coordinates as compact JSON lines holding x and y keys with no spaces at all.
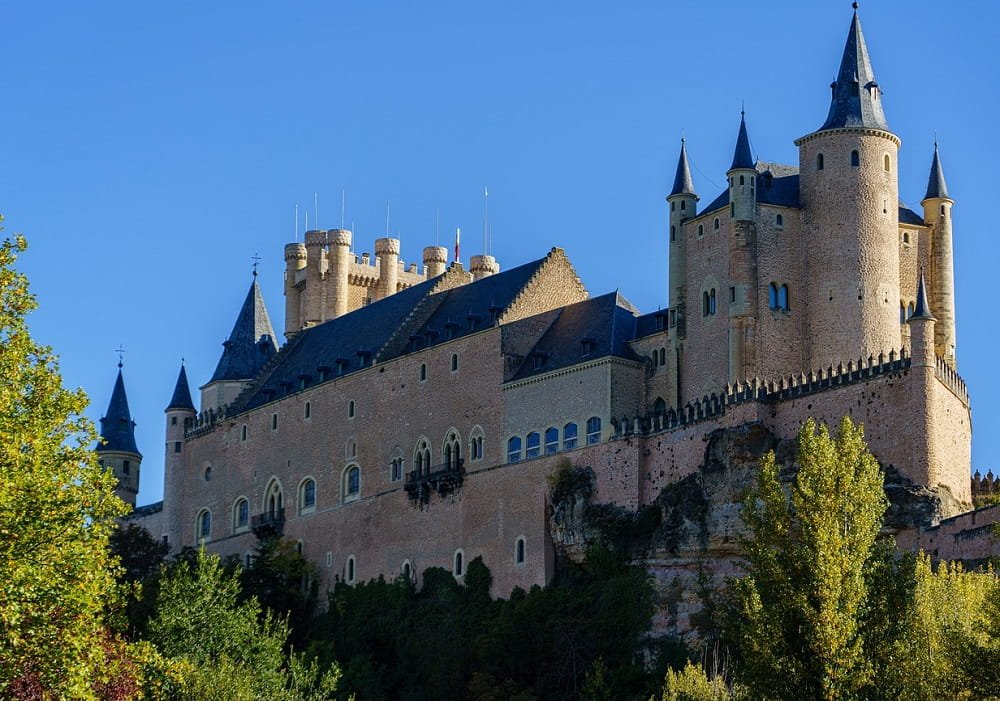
{"x":443,"y":479}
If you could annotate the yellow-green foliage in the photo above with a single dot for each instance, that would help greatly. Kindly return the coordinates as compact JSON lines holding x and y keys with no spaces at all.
{"x":56,"y":509}
{"x":692,"y":684}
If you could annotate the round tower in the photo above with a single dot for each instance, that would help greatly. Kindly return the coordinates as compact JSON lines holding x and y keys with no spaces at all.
{"x":682,"y":203}
{"x":180,"y":413}
{"x":742,"y":307}
{"x":435,"y":261}
{"x":295,"y":260}
{"x":117,"y":450}
{"x":742,"y":177}
{"x":937,"y":214}
{"x":849,"y":194}
{"x":483,"y":266}
{"x":315,"y":271}
{"x":387,"y":254}
{"x":339,"y":270}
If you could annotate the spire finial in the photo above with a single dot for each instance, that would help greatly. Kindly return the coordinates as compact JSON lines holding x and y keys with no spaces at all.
{"x":743,"y":105}
{"x":855,"y":5}
{"x":256,"y":259}
{"x":120,"y":350}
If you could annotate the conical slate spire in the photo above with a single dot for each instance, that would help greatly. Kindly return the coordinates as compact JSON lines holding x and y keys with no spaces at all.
{"x":922,"y":309}
{"x":742,"y":157}
{"x":117,"y":426}
{"x":683,"y":185}
{"x":857,"y":98}
{"x":936,"y":187}
{"x":182,"y":393}
{"x":251,"y":343}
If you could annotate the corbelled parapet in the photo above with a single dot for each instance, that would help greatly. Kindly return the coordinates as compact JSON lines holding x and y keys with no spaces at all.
{"x":483,"y":266}
{"x":296,"y":256}
{"x":386,"y":246}
{"x":435,"y":260}
{"x":387,"y":254}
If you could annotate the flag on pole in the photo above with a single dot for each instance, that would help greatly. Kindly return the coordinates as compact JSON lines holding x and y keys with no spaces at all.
{"x":458,"y":234}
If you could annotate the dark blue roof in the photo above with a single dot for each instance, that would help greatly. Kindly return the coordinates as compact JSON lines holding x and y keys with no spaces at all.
{"x":683,"y":185}
{"x":593,"y":328}
{"x":857,"y":98}
{"x":181,"y":398}
{"x":405,"y":322}
{"x":251,"y":343}
{"x":777,"y":184}
{"x":741,"y":156}
{"x":923,"y":309}
{"x":908,"y":216}
{"x":936,"y":186}
{"x":117,"y":426}
{"x":653,"y":322}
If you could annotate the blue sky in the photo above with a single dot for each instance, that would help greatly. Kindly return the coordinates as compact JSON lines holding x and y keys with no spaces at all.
{"x":149,"y":151}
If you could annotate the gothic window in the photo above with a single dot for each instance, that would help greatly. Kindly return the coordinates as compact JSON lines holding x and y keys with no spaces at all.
{"x":459,"y":567}
{"x":351,"y":483}
{"x":532,"y":445}
{"x":241,"y":515}
{"x":569,"y":436}
{"x":783,"y":297}
{"x":715,"y":224}
{"x":885,"y":163}
{"x":476,"y":444}
{"x":855,"y":158}
{"x":772,"y":296}
{"x":819,"y":161}
{"x":349,"y":568}
{"x":779,"y":221}
{"x":307,"y":411}
{"x":454,"y":362}
{"x":551,"y":440}
{"x":422,"y":458}
{"x":593,"y":430}
{"x":307,"y":495}
{"x":514,"y":449}
{"x":520,"y":548}
{"x":452,"y":451}
{"x":204,"y":525}
{"x":396,"y":469}
{"x":273,"y":506}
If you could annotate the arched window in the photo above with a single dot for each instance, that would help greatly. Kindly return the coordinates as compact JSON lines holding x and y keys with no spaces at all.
{"x":902,"y":313}
{"x":350,"y":449}
{"x":551,"y":440}
{"x":732,"y":209}
{"x":208,"y":472}
{"x":683,"y":205}
{"x":350,"y":409}
{"x":741,"y":180}
{"x":704,"y":303}
{"x":532,"y":445}
{"x":452,"y":451}
{"x":349,"y":570}
{"x":396,"y":464}
{"x":593,"y":430}
{"x":273,"y":501}
{"x":514,"y":449}
{"x":715,"y":224}
{"x":307,"y":495}
{"x":476,"y":444}
{"x":203,"y":525}
{"x":459,"y":566}
{"x":783,"y":297}
{"x":351,"y":483}
{"x":569,"y":436}
{"x":423,"y":372}
{"x":942,"y":210}
{"x":406,"y":571}
{"x":241,"y":515}
{"x":422,"y":457}
{"x":711,"y":301}
{"x":307,"y":411}
{"x":885,"y":163}
{"x":772,"y":296}
{"x":701,"y":230}
{"x":673,"y":206}
{"x":819,"y":161}
{"x":909,"y":310}
{"x":779,"y":221}
{"x":855,"y":158}
{"x":659,"y":407}
{"x":454,"y":362}
{"x":673,"y":233}
{"x":520,"y":550}
{"x":663,"y":356}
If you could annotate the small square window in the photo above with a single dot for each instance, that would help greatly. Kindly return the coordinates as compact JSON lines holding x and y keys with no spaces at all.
{"x":173,"y":420}
{"x":177,"y":446}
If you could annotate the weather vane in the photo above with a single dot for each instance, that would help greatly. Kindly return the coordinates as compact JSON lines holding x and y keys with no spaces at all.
{"x":120,"y":350}
{"x":256,"y":259}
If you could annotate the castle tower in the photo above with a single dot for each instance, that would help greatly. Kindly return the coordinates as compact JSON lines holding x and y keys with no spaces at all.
{"x":435,"y":260}
{"x":937,"y":213}
{"x":340,"y":259}
{"x":295,"y":261}
{"x":249,"y":346}
{"x":387,"y":253}
{"x":316,"y":264}
{"x":849,"y":196}
{"x":483,"y":266}
{"x":179,"y":413}
{"x":117,"y":450}
{"x":742,"y":177}
{"x":683,"y":204}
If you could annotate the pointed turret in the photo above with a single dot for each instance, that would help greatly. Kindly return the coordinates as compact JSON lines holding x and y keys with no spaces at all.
{"x":117,"y":450}
{"x":683,"y":184}
{"x":857,"y":98}
{"x":922,"y":310}
{"x":936,"y":186}
{"x":181,"y":399}
{"x":742,"y":158}
{"x":249,"y":346}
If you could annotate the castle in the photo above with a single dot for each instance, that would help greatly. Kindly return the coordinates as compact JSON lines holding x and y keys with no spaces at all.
{"x":412,"y":416}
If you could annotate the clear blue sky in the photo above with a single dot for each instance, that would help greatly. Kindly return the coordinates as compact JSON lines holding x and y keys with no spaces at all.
{"x":149,"y":150}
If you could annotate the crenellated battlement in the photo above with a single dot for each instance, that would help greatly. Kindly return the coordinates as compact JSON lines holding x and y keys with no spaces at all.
{"x":951,"y":379}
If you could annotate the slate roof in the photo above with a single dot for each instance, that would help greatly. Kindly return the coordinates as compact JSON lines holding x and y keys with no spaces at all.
{"x":908,"y":216}
{"x":147,"y":510}
{"x":923,"y":309}
{"x":181,"y":398}
{"x":369,"y":330}
{"x":251,"y":343}
{"x":741,"y":155}
{"x":117,"y":426}
{"x":778,"y":184}
{"x":651,"y":323}
{"x":608,"y":322}
{"x":857,"y":98}
{"x":936,"y":186}
{"x":683,"y":184}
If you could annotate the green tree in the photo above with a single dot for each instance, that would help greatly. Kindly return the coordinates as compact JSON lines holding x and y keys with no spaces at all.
{"x":285,"y":582}
{"x":227,"y":649}
{"x":57,"y":507}
{"x":798,"y":612}
{"x":692,"y":684}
